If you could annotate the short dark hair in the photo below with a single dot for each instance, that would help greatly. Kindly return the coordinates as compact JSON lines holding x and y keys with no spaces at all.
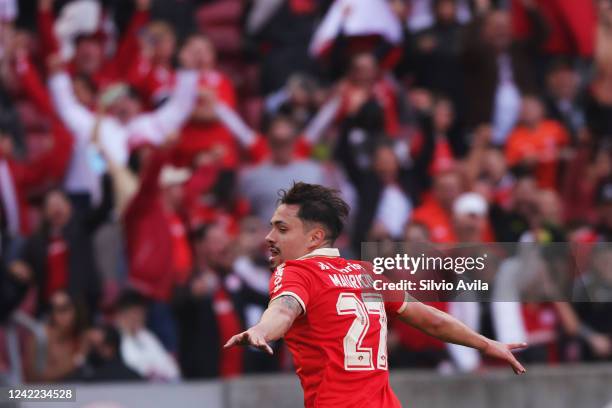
{"x":318,"y":204}
{"x":130,"y":298}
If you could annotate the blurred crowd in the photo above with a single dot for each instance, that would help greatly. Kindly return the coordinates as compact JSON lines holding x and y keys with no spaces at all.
{"x":143,"y":144}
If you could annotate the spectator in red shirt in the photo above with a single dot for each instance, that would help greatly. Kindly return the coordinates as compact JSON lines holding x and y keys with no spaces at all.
{"x":153,"y":73}
{"x":206,"y":130}
{"x":155,"y":222}
{"x":435,"y":212}
{"x":537,"y":143}
{"x":89,"y":59}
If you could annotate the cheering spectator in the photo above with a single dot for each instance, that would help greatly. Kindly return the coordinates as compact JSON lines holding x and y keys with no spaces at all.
{"x":156,"y":220}
{"x":82,"y":24}
{"x":153,"y":74}
{"x":351,"y":27}
{"x":207,"y":129}
{"x":124,"y":124}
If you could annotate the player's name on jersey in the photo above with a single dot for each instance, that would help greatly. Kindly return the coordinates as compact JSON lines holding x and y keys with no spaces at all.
{"x":361,"y":281}
{"x":432,"y":285}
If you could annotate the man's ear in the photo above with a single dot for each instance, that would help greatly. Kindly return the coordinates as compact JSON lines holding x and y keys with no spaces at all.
{"x":318,"y":236}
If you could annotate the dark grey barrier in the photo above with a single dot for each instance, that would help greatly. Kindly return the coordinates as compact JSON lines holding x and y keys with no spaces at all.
{"x":567,"y":386}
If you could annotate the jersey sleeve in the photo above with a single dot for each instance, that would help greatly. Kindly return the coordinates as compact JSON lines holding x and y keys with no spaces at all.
{"x":395,"y":303}
{"x":290,"y":280}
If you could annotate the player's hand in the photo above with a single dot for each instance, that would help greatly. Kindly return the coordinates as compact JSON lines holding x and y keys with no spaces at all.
{"x":251,"y":337}
{"x":503,"y":351}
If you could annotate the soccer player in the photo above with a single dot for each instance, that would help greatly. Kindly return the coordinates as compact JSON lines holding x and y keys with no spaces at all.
{"x":337,"y":331}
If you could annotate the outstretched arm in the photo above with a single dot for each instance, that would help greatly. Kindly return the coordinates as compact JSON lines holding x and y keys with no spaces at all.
{"x":448,"y":329}
{"x":274,"y":323}
{"x":324,"y":117}
{"x":77,"y":118}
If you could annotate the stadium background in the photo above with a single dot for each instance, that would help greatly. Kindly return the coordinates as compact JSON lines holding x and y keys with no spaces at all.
{"x":142,"y":144}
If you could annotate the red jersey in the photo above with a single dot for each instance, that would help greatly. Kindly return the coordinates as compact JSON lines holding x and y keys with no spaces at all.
{"x":339,"y":343}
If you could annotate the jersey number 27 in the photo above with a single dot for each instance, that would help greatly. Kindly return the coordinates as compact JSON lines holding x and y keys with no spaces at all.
{"x":357,"y":357}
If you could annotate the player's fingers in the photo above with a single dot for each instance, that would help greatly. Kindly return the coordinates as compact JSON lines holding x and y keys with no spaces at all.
{"x":516,"y":366}
{"x":268,"y":349}
{"x":263,"y":345}
{"x":231,"y":342}
{"x":235,"y":340}
{"x":515,"y":346}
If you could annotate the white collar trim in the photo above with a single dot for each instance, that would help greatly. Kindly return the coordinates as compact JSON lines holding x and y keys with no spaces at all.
{"x":332,"y":252}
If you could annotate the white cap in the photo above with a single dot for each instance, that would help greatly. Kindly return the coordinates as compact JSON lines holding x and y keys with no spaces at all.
{"x":470,"y":203}
{"x":171,"y":175}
